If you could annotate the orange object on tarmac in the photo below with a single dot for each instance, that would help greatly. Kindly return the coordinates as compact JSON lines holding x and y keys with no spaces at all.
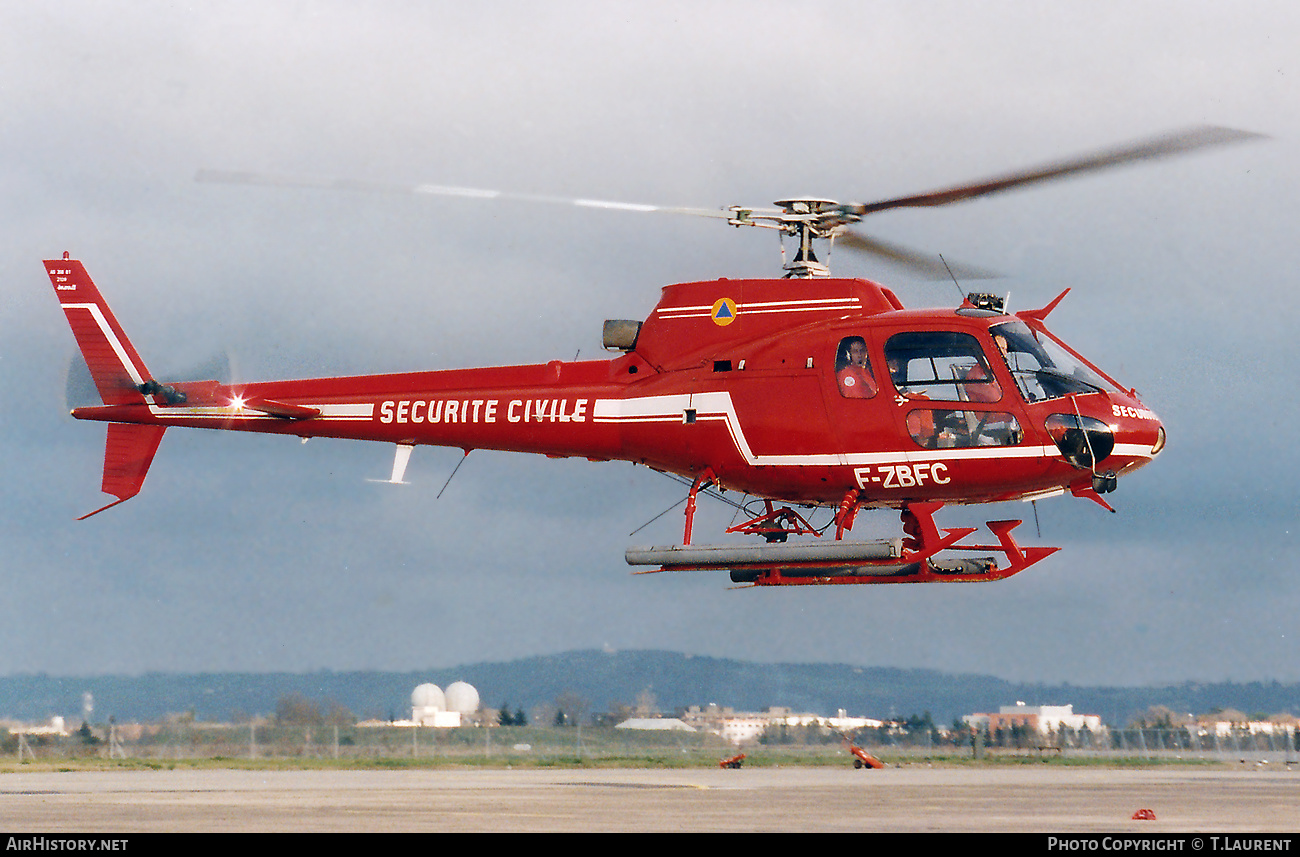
{"x":863,"y":759}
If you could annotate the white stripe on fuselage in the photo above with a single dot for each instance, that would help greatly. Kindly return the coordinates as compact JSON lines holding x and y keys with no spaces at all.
{"x":718,"y":407}
{"x":359,"y":412}
{"x":764,"y":307}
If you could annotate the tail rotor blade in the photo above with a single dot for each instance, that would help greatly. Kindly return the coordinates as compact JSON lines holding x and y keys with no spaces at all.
{"x":80,"y":389}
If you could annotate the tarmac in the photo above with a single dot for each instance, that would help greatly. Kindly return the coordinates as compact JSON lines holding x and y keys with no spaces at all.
{"x":913,"y":798}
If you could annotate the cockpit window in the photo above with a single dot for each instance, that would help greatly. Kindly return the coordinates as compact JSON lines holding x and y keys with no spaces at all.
{"x":940,"y":365}
{"x":853,"y":369}
{"x":1042,"y":368}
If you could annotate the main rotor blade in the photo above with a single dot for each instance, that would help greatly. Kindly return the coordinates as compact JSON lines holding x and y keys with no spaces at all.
{"x":270,"y":180}
{"x":1155,"y":147}
{"x":927,"y":266}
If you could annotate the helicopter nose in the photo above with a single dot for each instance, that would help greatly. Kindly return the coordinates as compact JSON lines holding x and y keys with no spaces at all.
{"x":1130,"y":437}
{"x":1138,"y":431}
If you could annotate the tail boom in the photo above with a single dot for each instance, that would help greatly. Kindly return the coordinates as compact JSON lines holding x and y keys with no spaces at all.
{"x":555,"y":409}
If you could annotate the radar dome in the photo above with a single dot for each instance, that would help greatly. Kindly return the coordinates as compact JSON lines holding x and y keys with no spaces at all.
{"x":428,"y":696}
{"x":462,"y":697}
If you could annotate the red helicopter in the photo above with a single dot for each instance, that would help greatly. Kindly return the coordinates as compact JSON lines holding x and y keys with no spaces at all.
{"x":805,"y":391}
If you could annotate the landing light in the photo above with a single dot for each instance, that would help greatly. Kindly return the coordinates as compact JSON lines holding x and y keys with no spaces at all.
{"x":1160,"y":441}
{"x":1083,"y":441}
{"x":237,"y":403}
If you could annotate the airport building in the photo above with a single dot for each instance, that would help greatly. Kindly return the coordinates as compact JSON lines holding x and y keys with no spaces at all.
{"x":655,"y":724}
{"x":1042,"y":719}
{"x":740,"y":727}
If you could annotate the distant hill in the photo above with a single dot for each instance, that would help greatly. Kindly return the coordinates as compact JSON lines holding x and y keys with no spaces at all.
{"x":606,"y":679}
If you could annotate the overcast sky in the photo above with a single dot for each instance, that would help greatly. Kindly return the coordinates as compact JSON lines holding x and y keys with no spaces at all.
{"x":260,"y":553}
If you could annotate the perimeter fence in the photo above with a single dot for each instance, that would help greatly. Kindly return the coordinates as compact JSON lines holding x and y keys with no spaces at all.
{"x":398,"y":746}
{"x":1154,"y":744}
{"x":374,"y":746}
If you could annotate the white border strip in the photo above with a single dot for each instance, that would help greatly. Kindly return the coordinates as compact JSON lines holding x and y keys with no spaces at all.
{"x":718,"y":407}
{"x":109,"y":334}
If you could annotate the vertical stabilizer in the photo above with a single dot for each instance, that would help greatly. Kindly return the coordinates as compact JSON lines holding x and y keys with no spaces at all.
{"x":128,"y":452}
{"x":116,"y":368}
{"x":119,"y":374}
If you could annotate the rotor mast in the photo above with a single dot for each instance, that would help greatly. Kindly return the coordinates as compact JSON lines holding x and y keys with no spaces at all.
{"x":804,"y":219}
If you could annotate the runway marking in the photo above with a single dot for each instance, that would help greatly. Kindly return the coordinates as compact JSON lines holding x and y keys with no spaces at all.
{"x":640,"y":785}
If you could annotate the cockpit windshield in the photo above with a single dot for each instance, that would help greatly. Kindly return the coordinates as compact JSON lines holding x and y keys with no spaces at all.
{"x":1041,"y":367}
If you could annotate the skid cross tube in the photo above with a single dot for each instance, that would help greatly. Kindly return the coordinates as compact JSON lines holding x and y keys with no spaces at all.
{"x":775,"y":525}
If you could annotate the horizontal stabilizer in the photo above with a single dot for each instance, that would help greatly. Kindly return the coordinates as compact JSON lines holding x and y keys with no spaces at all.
{"x":281,"y":409}
{"x":128,"y":452}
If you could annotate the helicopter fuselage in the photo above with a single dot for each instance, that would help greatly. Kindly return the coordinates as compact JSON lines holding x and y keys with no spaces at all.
{"x":744,"y":380}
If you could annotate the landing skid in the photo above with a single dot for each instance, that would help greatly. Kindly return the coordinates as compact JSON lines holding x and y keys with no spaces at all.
{"x":913,"y":559}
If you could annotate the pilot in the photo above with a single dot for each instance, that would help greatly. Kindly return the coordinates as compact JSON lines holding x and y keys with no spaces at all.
{"x":853,"y":370}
